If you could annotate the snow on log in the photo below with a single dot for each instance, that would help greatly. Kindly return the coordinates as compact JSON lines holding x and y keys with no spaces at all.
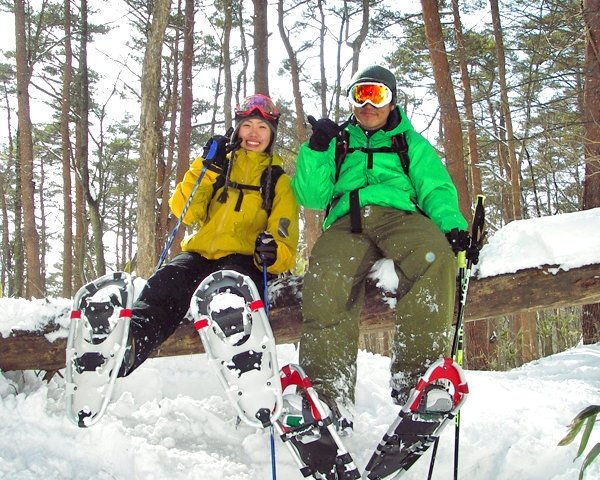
{"x":525,"y":290}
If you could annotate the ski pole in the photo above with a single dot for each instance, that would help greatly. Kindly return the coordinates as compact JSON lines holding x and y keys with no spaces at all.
{"x":265,"y":288}
{"x":266,"y":303}
{"x":210,"y":156}
{"x":273,"y":462}
{"x":465,"y":263}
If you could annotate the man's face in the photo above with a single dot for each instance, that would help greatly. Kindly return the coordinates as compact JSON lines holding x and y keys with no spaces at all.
{"x":370,"y":117}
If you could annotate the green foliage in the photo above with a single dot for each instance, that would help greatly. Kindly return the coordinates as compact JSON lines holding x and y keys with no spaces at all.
{"x":587,"y":417}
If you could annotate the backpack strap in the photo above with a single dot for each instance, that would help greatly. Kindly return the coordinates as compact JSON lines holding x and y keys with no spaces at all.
{"x":341,"y":151}
{"x":268,"y":182}
{"x":399,"y":146}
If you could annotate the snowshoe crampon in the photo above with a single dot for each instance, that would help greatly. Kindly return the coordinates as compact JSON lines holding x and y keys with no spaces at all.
{"x":96,"y":345}
{"x":416,"y":428}
{"x":230,"y":318}
{"x":306,"y":427}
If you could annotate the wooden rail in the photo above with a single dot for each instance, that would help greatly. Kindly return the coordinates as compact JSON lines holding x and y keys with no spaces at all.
{"x":526,"y":290}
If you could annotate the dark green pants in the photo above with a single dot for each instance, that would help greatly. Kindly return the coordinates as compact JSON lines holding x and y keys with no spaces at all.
{"x":334,"y":289}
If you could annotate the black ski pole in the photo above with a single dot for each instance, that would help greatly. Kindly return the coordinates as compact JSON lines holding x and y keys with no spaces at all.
{"x":466,"y":260}
{"x":472,"y":257}
{"x":210,"y":156}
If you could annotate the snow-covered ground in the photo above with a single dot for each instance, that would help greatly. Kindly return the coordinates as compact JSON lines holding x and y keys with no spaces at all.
{"x":170,"y":419}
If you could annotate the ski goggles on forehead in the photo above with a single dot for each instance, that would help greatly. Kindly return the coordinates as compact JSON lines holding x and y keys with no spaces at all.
{"x":258,"y":104}
{"x":377,"y":94}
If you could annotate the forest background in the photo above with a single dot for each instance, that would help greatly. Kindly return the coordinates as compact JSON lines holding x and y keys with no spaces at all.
{"x":106,"y":103}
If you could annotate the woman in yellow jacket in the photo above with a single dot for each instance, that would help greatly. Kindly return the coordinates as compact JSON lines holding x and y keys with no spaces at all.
{"x":239,"y":227}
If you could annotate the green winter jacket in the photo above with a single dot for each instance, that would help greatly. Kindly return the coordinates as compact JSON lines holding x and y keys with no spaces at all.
{"x":384,"y":182}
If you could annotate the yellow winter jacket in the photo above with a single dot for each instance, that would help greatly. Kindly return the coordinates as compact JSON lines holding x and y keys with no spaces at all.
{"x":222,"y":230}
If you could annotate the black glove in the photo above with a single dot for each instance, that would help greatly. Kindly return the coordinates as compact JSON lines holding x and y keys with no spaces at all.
{"x":265,"y":250}
{"x":324,"y":130}
{"x":216,"y":149}
{"x":459,"y":240}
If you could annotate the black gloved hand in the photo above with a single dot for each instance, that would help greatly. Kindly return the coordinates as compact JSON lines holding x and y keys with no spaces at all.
{"x":324,"y":130}
{"x":459,"y":240}
{"x":216,"y":149}
{"x":265,"y":249}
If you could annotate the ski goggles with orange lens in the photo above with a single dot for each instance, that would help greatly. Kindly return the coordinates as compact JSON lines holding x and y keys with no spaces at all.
{"x":377,"y":94}
{"x":258,"y":104}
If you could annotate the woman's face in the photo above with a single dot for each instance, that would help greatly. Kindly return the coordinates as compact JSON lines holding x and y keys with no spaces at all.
{"x":255,"y":135}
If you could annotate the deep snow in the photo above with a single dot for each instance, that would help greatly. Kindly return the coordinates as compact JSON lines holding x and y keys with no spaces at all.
{"x":170,"y":420}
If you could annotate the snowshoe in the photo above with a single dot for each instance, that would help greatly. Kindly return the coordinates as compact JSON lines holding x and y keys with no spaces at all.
{"x":433,"y":403}
{"x":96,"y":345}
{"x":230,"y":318}
{"x":307,"y":428}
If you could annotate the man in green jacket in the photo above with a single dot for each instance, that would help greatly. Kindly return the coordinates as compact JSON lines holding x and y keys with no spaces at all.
{"x":382,"y":204}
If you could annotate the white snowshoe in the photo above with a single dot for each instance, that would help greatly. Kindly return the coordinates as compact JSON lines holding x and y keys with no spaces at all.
{"x":96,"y":345}
{"x":230,"y":318}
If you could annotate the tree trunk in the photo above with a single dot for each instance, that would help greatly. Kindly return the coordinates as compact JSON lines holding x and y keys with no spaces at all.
{"x":241,"y":79}
{"x":150,"y":88}
{"x":165,"y":167}
{"x":590,"y":315}
{"x":357,"y":43}
{"x":11,"y":284}
{"x":79,"y":277}
{"x":311,"y":217}
{"x":301,"y":127}
{"x":474,"y":171}
{"x":95,"y":219}
{"x":525,"y":328}
{"x":453,"y":142}
{"x":185,"y":114}
{"x":339,"y":92}
{"x":35,"y":283}
{"x":43,"y":225}
{"x":5,"y":259}
{"x":477,"y":343}
{"x":590,"y":323}
{"x":322,"y":73}
{"x":261,"y":47}
{"x":227,"y":80}
{"x":515,"y":181}
{"x":67,"y":271}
